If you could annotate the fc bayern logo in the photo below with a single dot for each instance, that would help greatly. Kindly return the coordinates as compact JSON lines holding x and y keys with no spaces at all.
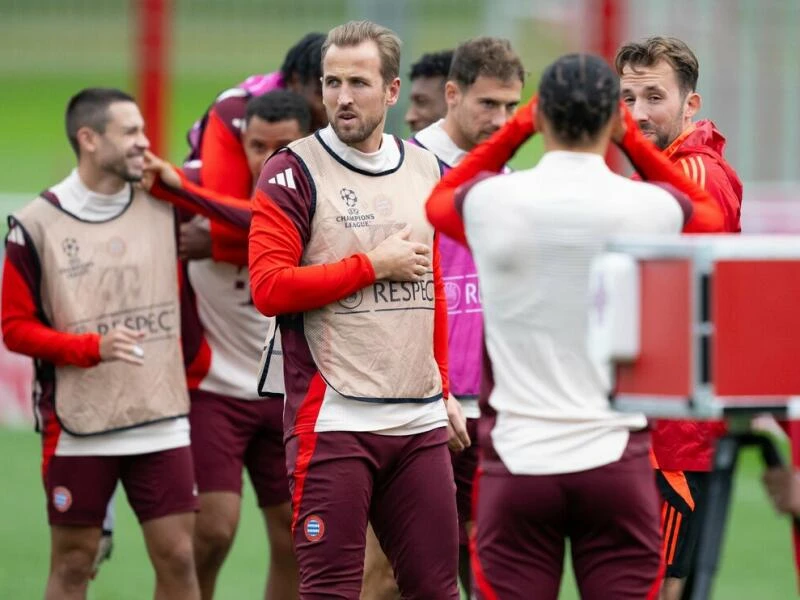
{"x":62,"y":498}
{"x":349,"y":197}
{"x":314,"y":528}
{"x":70,"y":247}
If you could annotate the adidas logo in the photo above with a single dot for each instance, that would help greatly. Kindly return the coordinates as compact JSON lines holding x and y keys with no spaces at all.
{"x":285,"y":179}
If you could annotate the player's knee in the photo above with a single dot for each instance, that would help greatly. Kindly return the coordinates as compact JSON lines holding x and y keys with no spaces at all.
{"x":175,"y":560}
{"x":73,"y":568}
{"x":214,"y":538}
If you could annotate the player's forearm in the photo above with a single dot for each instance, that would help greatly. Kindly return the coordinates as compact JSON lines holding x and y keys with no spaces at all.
{"x":32,"y":338}
{"x":283,"y":288}
{"x":24,"y":332}
{"x":652,"y":165}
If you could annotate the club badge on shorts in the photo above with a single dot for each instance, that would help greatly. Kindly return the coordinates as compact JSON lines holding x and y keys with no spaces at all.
{"x":314,"y":528}
{"x":62,"y":498}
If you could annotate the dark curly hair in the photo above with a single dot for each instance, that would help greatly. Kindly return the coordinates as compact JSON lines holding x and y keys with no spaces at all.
{"x":578,"y":94}
{"x":304,"y":59}
{"x":432,"y":64}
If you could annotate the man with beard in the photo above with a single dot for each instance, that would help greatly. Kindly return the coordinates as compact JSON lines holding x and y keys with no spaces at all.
{"x":340,"y":249}
{"x":426,"y":100}
{"x":659,"y":82}
{"x":90,"y":292}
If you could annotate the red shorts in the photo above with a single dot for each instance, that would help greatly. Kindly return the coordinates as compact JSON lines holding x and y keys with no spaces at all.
{"x":229,"y":434}
{"x":610,"y":515}
{"x":157,"y":484}
{"x":403,"y":484}
{"x":465,"y":463}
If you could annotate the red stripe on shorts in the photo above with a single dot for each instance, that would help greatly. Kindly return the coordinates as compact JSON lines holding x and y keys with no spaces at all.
{"x":50,"y":434}
{"x":306,"y":418}
{"x":484,"y":587}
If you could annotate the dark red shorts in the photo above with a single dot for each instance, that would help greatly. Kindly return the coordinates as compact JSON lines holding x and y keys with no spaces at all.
{"x":402,"y":484}
{"x":465,"y":463}
{"x":229,"y":434}
{"x":157,"y":484}
{"x":610,"y":515}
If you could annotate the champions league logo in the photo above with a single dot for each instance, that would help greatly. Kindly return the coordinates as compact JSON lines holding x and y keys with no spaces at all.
{"x":70,"y":247}
{"x":349,"y":197}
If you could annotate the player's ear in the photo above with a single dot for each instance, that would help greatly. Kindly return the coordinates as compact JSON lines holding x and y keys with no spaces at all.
{"x":693,"y":104}
{"x":393,"y":92}
{"x":87,"y":139}
{"x":452,"y":93}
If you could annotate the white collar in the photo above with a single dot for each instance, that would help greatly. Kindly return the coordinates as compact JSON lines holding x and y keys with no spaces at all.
{"x":435,"y":139}
{"x":387,"y":158}
{"x":78,"y":200}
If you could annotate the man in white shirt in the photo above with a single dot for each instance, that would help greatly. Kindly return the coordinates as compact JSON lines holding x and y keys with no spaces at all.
{"x":557,"y":462}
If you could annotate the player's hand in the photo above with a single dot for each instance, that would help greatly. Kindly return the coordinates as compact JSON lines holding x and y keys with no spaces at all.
{"x":783,"y":487}
{"x":194,"y":240}
{"x":622,"y":124}
{"x":457,"y":436}
{"x":122,"y":344}
{"x":398,"y":259}
{"x":155,"y":167}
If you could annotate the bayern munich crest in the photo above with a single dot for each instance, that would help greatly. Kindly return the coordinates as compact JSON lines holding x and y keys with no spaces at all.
{"x":62,"y":498}
{"x":314,"y":528}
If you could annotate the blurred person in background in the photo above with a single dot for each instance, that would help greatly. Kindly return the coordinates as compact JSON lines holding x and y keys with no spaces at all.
{"x":90,"y":292}
{"x":659,"y":85}
{"x":426,"y":103}
{"x":231,"y":425}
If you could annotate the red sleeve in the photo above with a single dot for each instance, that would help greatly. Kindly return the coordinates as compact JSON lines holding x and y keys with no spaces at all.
{"x":225,"y":170}
{"x":234,"y":212}
{"x":442,"y":208}
{"x":23,"y":329}
{"x":709,"y":175}
{"x":707,"y":216}
{"x":279,"y":231}
{"x":440,"y":320}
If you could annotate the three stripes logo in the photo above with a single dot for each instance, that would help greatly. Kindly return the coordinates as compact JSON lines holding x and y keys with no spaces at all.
{"x":314,"y":528}
{"x":284,"y":179}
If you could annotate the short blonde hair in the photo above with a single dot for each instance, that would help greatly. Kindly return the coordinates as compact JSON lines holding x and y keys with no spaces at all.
{"x":357,"y":32}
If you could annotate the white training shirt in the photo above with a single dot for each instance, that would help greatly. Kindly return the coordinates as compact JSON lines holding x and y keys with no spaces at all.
{"x":534,"y":235}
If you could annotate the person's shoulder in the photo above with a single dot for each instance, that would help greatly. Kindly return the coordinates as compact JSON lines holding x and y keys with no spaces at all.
{"x":230,"y":107}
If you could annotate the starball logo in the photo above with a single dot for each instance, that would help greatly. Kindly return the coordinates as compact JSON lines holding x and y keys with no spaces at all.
{"x":75,"y":267}
{"x":353,"y":217}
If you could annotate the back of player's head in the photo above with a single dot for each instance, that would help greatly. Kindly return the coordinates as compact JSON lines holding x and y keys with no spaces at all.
{"x":354,"y":33}
{"x":655,"y":49}
{"x":432,"y":64}
{"x":487,"y":57}
{"x":89,"y":108}
{"x":280,"y":105}
{"x":304,"y":59}
{"x":578,"y":94}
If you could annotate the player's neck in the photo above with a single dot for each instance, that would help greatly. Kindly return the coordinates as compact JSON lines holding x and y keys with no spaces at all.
{"x":598,"y":147}
{"x":98,"y":181}
{"x":454,"y":133}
